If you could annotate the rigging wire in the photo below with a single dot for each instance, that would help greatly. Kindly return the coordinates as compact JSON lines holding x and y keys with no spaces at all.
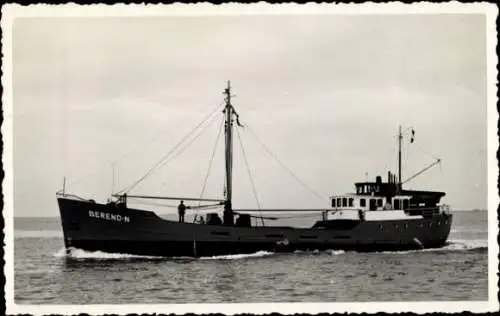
{"x":153,"y":138}
{"x":157,"y":204}
{"x":211,"y":206}
{"x":413,"y":176}
{"x":125,"y":155}
{"x":422,"y":171}
{"x":316,"y":194}
{"x":165,"y":157}
{"x":247,"y":165}
{"x":425,"y":151}
{"x":214,"y":151}
{"x":190,"y":142}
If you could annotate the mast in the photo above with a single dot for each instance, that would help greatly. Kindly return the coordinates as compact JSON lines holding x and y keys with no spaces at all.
{"x":400,"y":138}
{"x":228,"y":111}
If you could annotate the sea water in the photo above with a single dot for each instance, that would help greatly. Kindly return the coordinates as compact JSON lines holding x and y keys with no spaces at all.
{"x":46,"y":274}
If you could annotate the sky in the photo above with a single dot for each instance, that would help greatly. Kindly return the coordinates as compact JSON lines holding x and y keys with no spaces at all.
{"x":325,"y":93}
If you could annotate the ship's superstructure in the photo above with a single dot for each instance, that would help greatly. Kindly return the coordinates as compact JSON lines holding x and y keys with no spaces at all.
{"x":378,"y":216}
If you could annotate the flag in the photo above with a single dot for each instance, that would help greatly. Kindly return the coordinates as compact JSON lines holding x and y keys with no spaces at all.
{"x":412,"y":139}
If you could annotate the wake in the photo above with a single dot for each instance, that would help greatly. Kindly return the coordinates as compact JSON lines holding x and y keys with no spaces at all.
{"x":80,"y":254}
{"x":258,"y":254}
{"x":75,"y":253}
{"x":477,"y":245}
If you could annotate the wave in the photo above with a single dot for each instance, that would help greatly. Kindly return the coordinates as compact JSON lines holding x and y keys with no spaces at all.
{"x":79,"y":254}
{"x":257,"y":254}
{"x":315,"y":252}
{"x":479,"y":245}
{"x":75,"y":253}
{"x":466,"y":230}
{"x":451,"y":245}
{"x":336,"y":252}
{"x":466,"y":244}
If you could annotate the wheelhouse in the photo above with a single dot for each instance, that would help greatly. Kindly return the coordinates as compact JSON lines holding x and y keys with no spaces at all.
{"x":370,"y":203}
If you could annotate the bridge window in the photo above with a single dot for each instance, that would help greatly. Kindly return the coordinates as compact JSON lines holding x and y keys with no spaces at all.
{"x":344,"y":202}
{"x":397,"y":205}
{"x":379,"y":202}
{"x":405,"y":204}
{"x":351,"y":202}
{"x":339,"y":202}
{"x":373,"y":204}
{"x":333,"y":202}
{"x":362,"y":202}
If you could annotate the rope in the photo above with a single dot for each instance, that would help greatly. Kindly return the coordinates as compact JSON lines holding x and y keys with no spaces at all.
{"x":210,"y":162}
{"x":125,"y":155}
{"x":437,"y":161}
{"x":249,"y":173}
{"x":165,"y":157}
{"x":190,"y":142}
{"x":424,"y":151}
{"x":211,"y":159}
{"x":211,"y":206}
{"x":284,"y":167}
{"x":422,"y":171}
{"x":157,"y":204}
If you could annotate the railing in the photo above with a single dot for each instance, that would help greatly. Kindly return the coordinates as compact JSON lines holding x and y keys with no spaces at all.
{"x":69,"y":195}
{"x":345,"y":209}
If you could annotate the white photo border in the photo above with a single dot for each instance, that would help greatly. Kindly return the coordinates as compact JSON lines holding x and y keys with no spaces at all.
{"x":12,"y":11}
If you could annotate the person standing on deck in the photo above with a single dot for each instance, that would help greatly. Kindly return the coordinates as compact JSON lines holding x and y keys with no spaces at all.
{"x":181,"y":209}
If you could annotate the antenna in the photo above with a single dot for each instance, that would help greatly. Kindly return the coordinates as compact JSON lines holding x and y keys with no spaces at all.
{"x":64,"y":186}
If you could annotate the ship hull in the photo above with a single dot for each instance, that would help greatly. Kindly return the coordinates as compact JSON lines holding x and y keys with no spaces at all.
{"x":109,"y":228}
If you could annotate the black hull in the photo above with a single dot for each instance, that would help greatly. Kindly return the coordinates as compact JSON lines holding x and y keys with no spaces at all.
{"x":108,"y":228}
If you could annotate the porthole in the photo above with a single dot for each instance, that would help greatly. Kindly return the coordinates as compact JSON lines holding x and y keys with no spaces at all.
{"x":406,"y":226}
{"x":381,"y":227}
{"x":439,"y":223}
{"x":446,"y":222}
{"x":396,"y":226}
{"x":430,"y":225}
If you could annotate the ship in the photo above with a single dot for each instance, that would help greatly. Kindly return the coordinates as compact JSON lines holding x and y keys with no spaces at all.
{"x":378,"y":216}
